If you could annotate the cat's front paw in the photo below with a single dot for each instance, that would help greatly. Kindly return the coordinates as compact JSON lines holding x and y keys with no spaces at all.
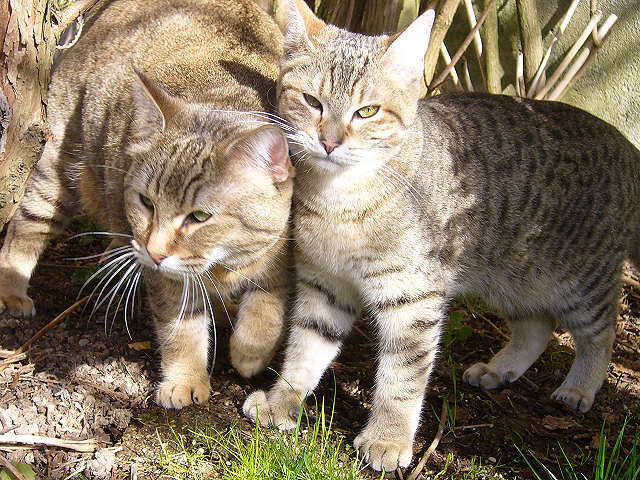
{"x":383,"y":452}
{"x":172,"y":394}
{"x":247,"y":362}
{"x":280,"y":409}
{"x":20,"y":306}
{"x":481,"y":375}
{"x":574,"y":397}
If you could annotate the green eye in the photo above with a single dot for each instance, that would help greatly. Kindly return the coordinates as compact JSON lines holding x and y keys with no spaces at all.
{"x":200,"y":216}
{"x":146,"y":201}
{"x":368,"y":111}
{"x":313,"y":101}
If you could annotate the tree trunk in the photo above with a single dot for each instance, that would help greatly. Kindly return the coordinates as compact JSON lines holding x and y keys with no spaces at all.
{"x":28,"y":43}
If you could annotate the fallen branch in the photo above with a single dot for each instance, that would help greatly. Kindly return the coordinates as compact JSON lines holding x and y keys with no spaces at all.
{"x":86,"y":446}
{"x":434,"y":444}
{"x":443,"y":75}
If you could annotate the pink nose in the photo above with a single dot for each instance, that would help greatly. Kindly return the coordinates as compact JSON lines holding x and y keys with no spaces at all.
{"x":156,"y":257}
{"x":330,"y":146}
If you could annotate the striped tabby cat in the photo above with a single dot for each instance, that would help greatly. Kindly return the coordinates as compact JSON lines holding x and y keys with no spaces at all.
{"x":401,"y":204}
{"x":195,"y":190}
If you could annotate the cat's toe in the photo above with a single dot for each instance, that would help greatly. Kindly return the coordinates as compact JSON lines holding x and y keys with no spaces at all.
{"x":381,"y":453}
{"x":256,"y":408}
{"x":178,"y":395}
{"x":20,"y":306}
{"x":574,"y":397}
{"x":480,"y":375}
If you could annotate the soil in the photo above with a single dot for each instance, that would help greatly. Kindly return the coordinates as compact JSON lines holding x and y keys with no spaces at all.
{"x":78,"y":382}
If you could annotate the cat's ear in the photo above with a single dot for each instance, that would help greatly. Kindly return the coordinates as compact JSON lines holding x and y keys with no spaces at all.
{"x":404,"y":58}
{"x":299,"y":25}
{"x":265,"y":147}
{"x":153,"y":107}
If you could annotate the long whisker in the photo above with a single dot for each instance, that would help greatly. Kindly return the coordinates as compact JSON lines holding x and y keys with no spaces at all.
{"x":207,"y":302}
{"x":111,"y":264}
{"x":111,"y":253}
{"x":124,"y":291}
{"x":243,"y":276}
{"x":112,"y":274}
{"x":131,"y":294}
{"x":221,"y":299}
{"x":111,"y":234}
{"x":114,"y":291}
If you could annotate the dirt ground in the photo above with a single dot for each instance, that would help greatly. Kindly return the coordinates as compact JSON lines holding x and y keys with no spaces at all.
{"x":78,"y":382}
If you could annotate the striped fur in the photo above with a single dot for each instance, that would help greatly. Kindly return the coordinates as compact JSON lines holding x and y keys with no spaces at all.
{"x":534,"y":205}
{"x":187,"y":134}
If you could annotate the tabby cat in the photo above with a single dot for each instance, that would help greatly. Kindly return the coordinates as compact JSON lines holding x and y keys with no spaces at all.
{"x":400,"y":204}
{"x":194,"y":188}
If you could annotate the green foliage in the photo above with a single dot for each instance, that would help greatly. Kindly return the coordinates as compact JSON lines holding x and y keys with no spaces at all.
{"x":613,"y":465}
{"x":26,"y":471}
{"x":455,"y":330}
{"x":79,"y":277}
{"x":87,"y":224}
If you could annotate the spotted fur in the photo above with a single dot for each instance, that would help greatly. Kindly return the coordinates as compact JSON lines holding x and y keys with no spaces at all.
{"x":533,"y":205}
{"x":157,"y":114}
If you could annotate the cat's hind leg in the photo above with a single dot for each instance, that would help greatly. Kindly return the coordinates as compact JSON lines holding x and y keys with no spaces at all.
{"x":47,"y":206}
{"x":593,"y":334}
{"x":529,"y":338}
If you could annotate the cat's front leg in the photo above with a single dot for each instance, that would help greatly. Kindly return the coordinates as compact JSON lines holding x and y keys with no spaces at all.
{"x":182,"y":321}
{"x":408,"y":328}
{"x":324,"y":311}
{"x":258,"y":329}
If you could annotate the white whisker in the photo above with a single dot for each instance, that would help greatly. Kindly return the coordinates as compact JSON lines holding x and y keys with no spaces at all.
{"x":221,"y":299}
{"x":111,"y":253}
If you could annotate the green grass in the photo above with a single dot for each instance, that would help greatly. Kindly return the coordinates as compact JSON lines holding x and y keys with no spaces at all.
{"x":608,"y":464}
{"x":314,"y":452}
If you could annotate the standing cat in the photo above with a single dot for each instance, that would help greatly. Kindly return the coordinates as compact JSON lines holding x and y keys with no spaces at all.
{"x":197,"y":189}
{"x":400,"y":204}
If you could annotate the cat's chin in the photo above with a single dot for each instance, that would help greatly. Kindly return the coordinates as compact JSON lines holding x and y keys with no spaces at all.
{"x":325,"y":164}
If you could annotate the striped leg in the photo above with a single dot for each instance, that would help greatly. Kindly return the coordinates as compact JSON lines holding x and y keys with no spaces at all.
{"x":409,"y":331}
{"x":594,"y":341}
{"x":47,"y":206}
{"x":324,"y":312}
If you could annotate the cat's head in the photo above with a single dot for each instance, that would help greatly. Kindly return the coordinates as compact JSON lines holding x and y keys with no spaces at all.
{"x":349,"y":97}
{"x":205,"y":187}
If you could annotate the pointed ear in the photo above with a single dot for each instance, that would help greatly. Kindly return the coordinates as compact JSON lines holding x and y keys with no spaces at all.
{"x":299,"y":25}
{"x":153,"y":107}
{"x":266,"y":147}
{"x":404,"y":58}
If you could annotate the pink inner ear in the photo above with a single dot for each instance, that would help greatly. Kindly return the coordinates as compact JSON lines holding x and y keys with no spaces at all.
{"x":279,"y":162}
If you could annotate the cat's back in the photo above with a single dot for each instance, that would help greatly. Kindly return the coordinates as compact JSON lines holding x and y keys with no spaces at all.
{"x":190,"y":47}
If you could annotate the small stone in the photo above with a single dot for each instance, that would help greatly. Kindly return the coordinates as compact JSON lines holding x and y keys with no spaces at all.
{"x":492,"y":459}
{"x":83,"y":342}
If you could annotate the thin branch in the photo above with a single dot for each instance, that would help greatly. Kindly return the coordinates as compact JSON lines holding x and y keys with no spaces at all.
{"x":467,"y":77}
{"x":43,"y":330}
{"x":530,"y":37}
{"x":434,"y":444}
{"x":593,"y":22}
{"x":73,"y":11}
{"x":89,"y":445}
{"x":520,"y":87}
{"x":543,"y":65}
{"x":581,"y":63}
{"x":477,"y":41}
{"x":492,"y":52}
{"x":446,"y":58}
{"x":438,"y":81}
{"x":9,"y":466}
{"x":438,"y":32}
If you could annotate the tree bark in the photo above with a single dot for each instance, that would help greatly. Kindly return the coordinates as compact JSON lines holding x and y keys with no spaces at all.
{"x":28,"y":43}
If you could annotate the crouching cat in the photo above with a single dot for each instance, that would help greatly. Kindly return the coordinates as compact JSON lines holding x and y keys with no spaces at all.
{"x":180,"y":164}
{"x":400,"y":204}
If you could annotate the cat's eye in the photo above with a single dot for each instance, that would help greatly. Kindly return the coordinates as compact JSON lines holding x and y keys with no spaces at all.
{"x":312,"y":101}
{"x":199,"y":216}
{"x":368,"y":111}
{"x":146,"y":201}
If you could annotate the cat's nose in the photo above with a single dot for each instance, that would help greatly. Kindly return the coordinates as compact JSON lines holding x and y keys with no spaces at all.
{"x":329,"y":146}
{"x":156,"y":257}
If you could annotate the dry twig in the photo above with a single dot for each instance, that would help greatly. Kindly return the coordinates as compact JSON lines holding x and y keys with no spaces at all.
{"x":11,"y":468}
{"x":434,"y":444}
{"x":491,"y":53}
{"x":89,"y":445}
{"x":465,"y":44}
{"x":531,"y":38}
{"x":438,"y":32}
